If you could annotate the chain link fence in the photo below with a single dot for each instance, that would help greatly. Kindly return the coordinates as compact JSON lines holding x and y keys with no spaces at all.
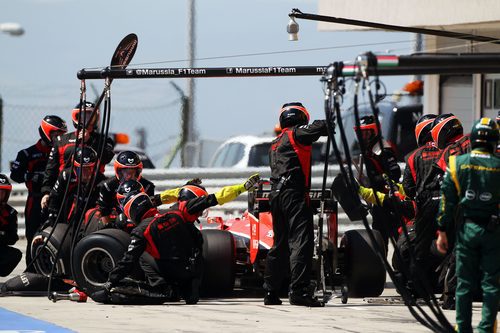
{"x":153,"y":128}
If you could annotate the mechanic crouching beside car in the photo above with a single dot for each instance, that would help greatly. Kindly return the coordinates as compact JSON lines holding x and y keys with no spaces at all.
{"x":290,"y":158}
{"x":168,"y":246}
{"x":128,"y":166}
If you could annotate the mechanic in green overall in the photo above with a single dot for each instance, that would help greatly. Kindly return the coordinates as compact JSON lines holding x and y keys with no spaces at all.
{"x":472,"y":185}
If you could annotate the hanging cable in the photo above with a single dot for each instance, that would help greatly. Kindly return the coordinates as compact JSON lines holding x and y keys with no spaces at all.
{"x":421,"y":281}
{"x":255,"y":54}
{"x":332,"y":93}
{"x":369,"y":60}
{"x":80,"y":129}
{"x":80,"y":216}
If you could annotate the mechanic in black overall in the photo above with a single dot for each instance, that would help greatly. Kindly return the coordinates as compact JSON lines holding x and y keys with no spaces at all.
{"x":447,"y":133}
{"x":418,"y":166}
{"x":128,"y":166}
{"x":169,"y":246}
{"x":9,"y":255}
{"x":290,"y":158}
{"x":29,"y":168}
{"x":381,"y":164}
{"x":64,"y":146}
{"x":85,"y":162}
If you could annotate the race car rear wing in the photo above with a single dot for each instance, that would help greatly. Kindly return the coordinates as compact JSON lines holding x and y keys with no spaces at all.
{"x":258,"y":201}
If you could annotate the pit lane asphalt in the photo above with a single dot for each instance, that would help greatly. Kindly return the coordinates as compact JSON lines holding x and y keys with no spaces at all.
{"x":243,"y":313}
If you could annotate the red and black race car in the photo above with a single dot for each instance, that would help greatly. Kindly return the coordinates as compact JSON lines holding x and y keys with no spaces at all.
{"x":237,"y":249}
{"x":234,"y":252}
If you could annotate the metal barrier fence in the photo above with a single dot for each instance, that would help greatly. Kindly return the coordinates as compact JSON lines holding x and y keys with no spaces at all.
{"x":213,"y":179}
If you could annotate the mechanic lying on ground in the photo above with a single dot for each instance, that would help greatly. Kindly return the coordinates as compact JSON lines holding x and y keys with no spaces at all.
{"x":167,"y":246}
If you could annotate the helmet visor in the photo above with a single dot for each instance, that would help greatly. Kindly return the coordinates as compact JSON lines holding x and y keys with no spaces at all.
{"x":85,"y":173}
{"x":87,"y":119}
{"x":125,"y":174}
{"x":4,"y":196}
{"x":367,"y":132}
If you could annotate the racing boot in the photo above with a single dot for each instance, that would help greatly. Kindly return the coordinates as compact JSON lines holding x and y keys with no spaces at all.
{"x":304,"y":298}
{"x":271,"y":298}
{"x":191,"y":290}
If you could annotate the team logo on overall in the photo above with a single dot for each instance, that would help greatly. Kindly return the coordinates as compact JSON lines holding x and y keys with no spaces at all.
{"x":470,"y":195}
{"x":485,"y":196}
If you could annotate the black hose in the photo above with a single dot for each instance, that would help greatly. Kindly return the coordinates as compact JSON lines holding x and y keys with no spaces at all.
{"x":91,"y":186}
{"x":433,"y":305}
{"x":58,"y":217}
{"x":63,"y":203}
{"x":443,"y":325}
{"x":426,"y":321}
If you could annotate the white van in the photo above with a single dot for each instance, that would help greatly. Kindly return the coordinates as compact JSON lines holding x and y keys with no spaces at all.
{"x":253,"y":151}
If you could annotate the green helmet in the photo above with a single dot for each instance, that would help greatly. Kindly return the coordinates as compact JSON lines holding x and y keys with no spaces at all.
{"x":484,"y":133}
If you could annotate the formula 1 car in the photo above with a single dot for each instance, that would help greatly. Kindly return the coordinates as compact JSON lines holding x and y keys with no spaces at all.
{"x":234,"y":252}
{"x":238,"y":248}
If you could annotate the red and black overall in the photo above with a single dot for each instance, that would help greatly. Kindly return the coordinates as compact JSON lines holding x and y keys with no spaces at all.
{"x":417,"y":175}
{"x":29,"y":168}
{"x":459,"y":147}
{"x":107,"y":203}
{"x":379,"y":162}
{"x":61,"y":152}
{"x":431,"y":184}
{"x":168,"y":247}
{"x":9,"y":256}
{"x":73,"y":205}
{"x":290,"y":158}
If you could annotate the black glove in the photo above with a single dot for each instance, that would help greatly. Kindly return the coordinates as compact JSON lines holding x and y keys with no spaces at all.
{"x":156,"y":200}
{"x":194,"y":181}
{"x":108,"y":285}
{"x":121,"y":221}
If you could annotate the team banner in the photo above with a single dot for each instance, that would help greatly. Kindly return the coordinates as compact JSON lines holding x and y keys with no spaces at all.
{"x":384,"y":65}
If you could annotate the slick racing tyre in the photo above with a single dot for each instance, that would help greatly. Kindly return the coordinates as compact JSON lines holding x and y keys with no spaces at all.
{"x":364,"y":271}
{"x":91,"y":222}
{"x":219,"y":263}
{"x":96,"y":255}
{"x":45,"y":255}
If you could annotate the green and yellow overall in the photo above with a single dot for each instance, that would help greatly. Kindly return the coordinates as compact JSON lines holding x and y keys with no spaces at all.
{"x":472,"y":185}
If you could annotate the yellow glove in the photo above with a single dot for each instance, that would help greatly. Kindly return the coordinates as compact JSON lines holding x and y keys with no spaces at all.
{"x":229,"y":193}
{"x":169,"y":196}
{"x":368,"y":195}
{"x":251,"y":182}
